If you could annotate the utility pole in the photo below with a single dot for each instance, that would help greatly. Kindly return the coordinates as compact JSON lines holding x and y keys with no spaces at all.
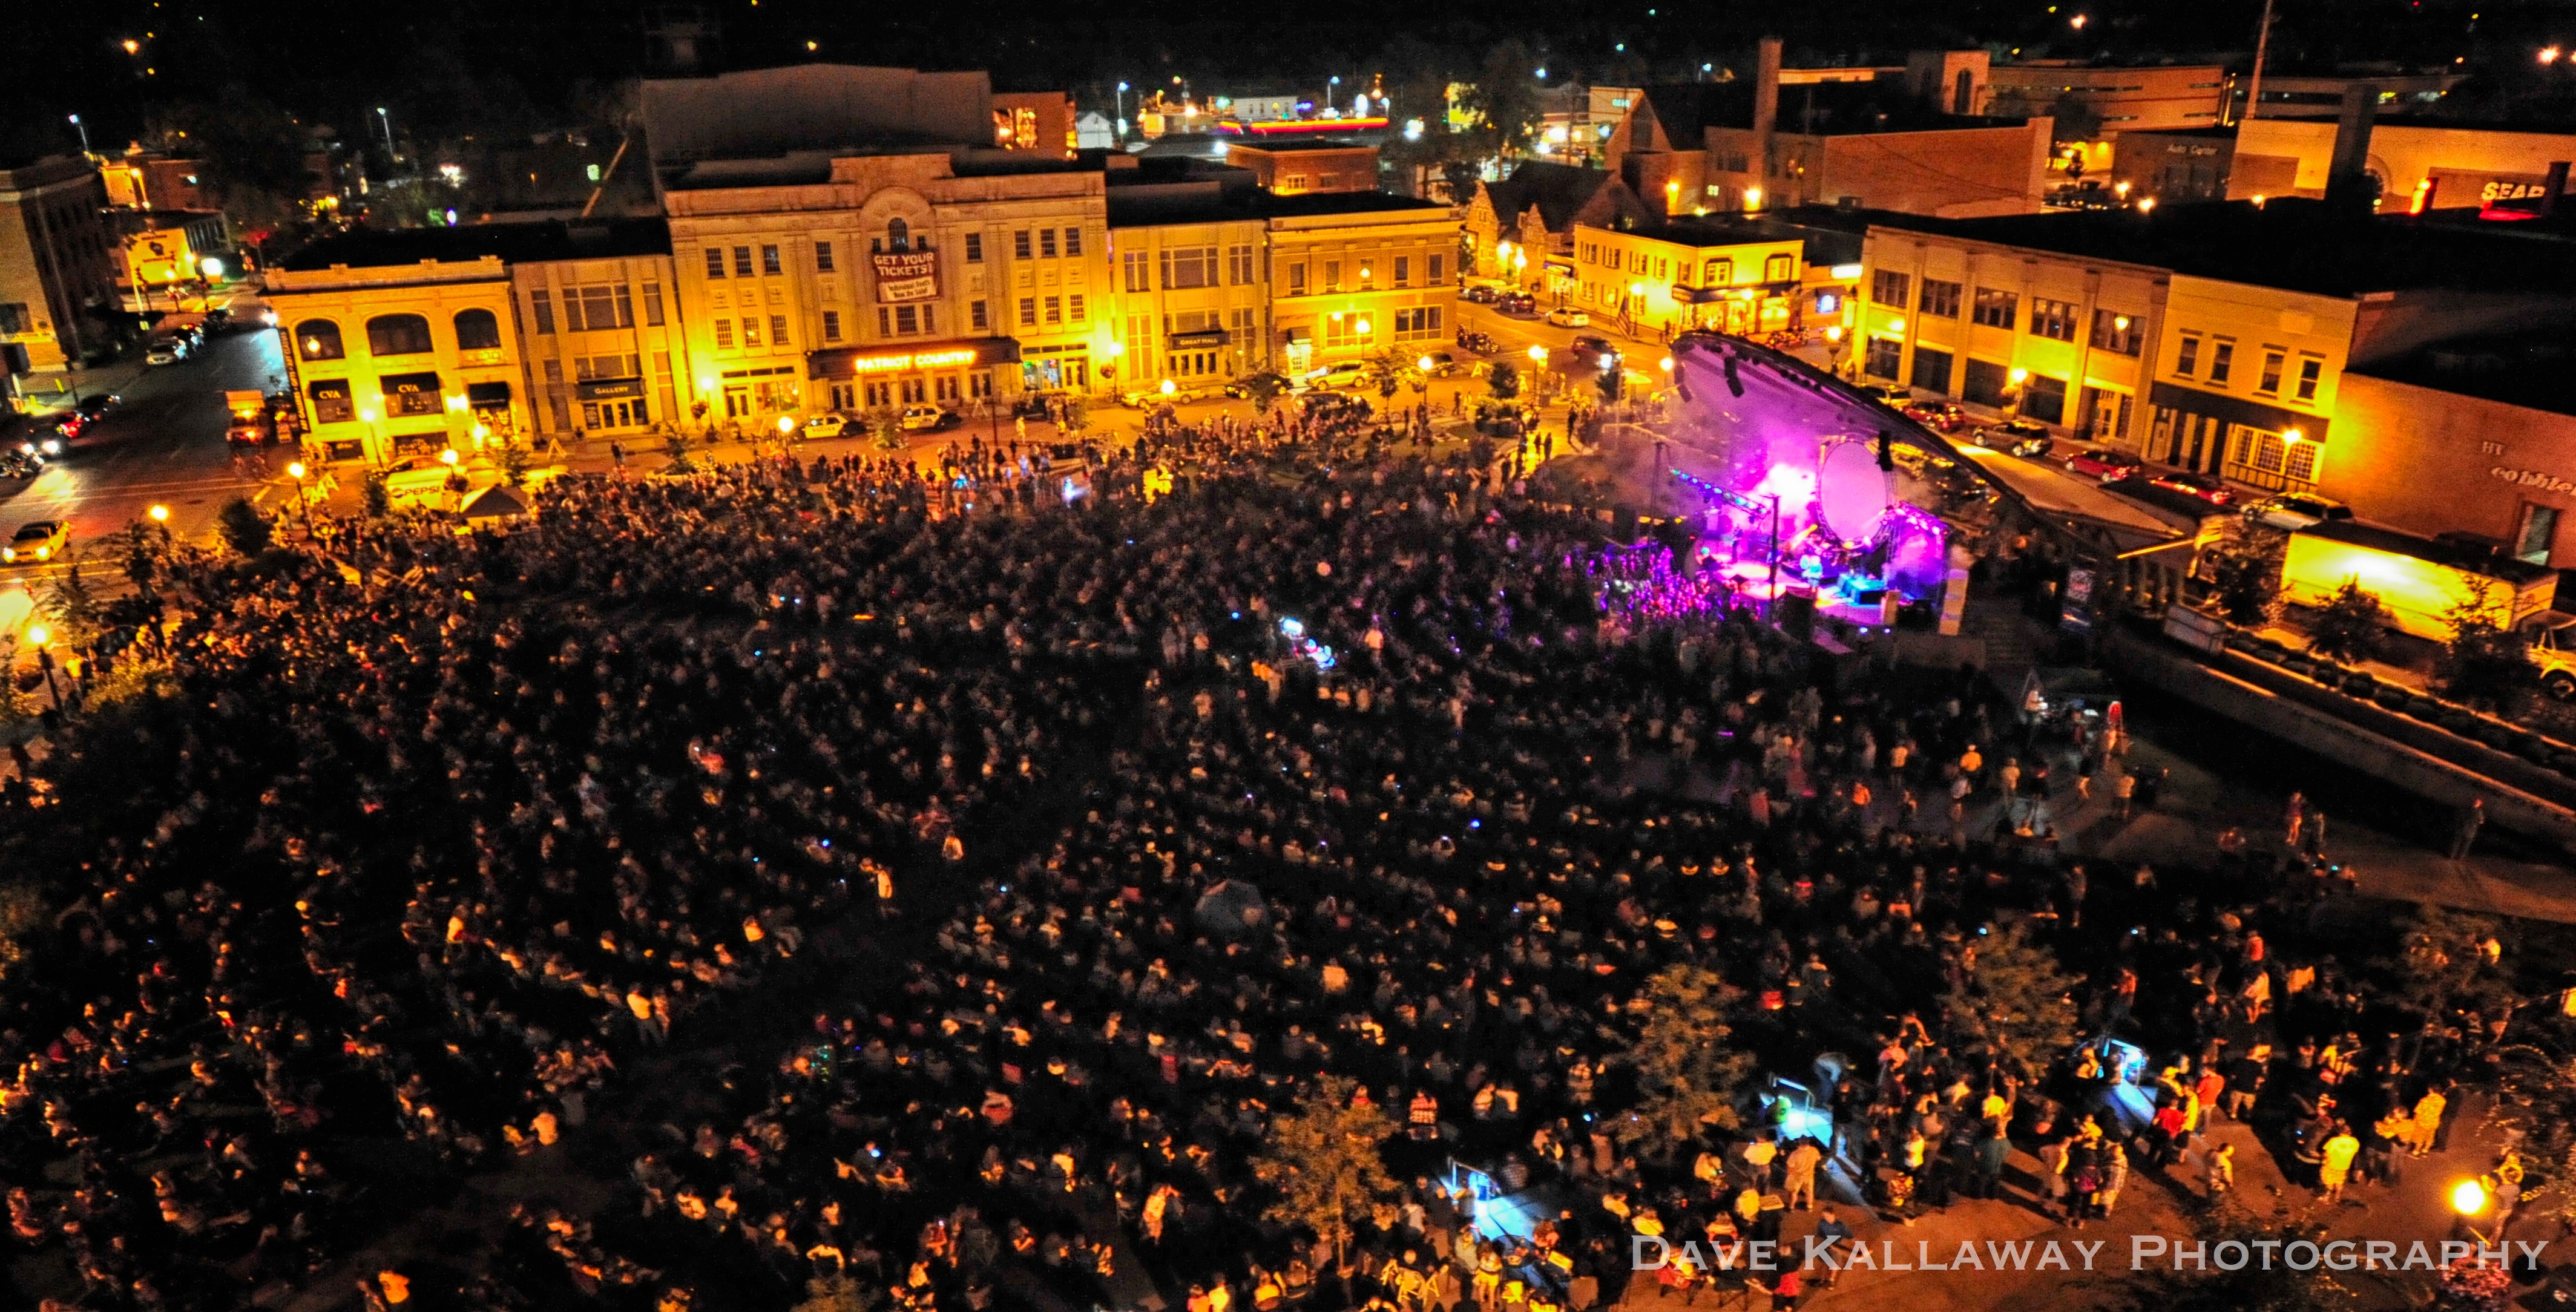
{"x":2254,"y":84}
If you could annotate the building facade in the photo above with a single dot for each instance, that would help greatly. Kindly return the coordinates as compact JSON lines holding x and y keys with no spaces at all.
{"x":2418,"y":166}
{"x":1291,"y":168}
{"x":1352,"y":274}
{"x":2102,"y":103}
{"x":1191,"y":297}
{"x":854,"y":282}
{"x":1669,"y":277}
{"x":607,"y":355}
{"x":2062,"y":339}
{"x":392,"y":361}
{"x":57,"y":266}
{"x":2246,"y":380}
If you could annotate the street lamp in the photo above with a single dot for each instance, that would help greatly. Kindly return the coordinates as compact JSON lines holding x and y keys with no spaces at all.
{"x":40,"y":635}
{"x":1119,"y":102}
{"x":83,"y":129}
{"x":295,"y":470}
{"x":387,"y":120}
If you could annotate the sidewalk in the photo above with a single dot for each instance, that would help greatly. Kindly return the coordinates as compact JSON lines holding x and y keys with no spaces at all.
{"x":50,"y":391}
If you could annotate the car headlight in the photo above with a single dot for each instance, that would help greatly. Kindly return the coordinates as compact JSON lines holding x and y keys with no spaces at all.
{"x":44,"y":553}
{"x":53,"y":446}
{"x":8,"y":553}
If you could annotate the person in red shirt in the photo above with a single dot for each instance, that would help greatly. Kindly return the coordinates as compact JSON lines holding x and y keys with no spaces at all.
{"x":1785,"y":1295}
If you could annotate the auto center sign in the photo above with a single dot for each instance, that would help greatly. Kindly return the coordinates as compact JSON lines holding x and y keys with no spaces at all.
{"x":907,"y":276}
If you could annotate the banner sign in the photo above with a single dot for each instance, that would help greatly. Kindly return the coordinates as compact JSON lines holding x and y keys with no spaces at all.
{"x":907,"y":276}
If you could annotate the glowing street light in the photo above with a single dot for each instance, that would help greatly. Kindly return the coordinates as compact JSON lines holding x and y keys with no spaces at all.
{"x":2548,"y":54}
{"x":1169,"y":387}
{"x":295,"y":470}
{"x":2147,"y":205}
{"x":1752,"y":199}
{"x":1538,"y":354}
{"x":159,"y":514}
{"x":2468,"y":1198}
{"x":786,"y":425}
{"x":1665,"y":364}
{"x":1423,"y":364}
{"x":39,"y":635}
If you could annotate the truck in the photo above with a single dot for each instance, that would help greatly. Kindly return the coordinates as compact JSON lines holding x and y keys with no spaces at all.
{"x":2420,"y":581}
{"x":251,"y":424}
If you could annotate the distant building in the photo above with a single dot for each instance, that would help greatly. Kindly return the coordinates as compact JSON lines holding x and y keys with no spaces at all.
{"x":2292,"y":95}
{"x":161,"y":255}
{"x":1036,"y":122}
{"x":1294,"y":167}
{"x":1521,"y":228}
{"x":57,"y":267}
{"x":2417,"y":164}
{"x":149,"y":180}
{"x":2096,"y":102}
{"x":2175,"y":165}
{"x":1092,"y":130}
{"x":1575,"y":122}
{"x":1691,"y":148}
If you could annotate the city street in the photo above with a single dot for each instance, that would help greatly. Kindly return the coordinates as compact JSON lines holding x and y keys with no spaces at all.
{"x":163,"y":445}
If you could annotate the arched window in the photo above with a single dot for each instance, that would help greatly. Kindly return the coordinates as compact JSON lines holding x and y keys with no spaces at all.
{"x":398,"y":334}
{"x":477,"y":330}
{"x":898,"y":235}
{"x":319,"y":339}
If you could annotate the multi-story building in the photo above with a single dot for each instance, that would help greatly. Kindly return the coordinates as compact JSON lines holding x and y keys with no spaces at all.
{"x":57,"y":267}
{"x":1190,"y":275}
{"x":1575,"y":122}
{"x":1521,"y":228}
{"x":2174,"y":166}
{"x":2093,"y":101}
{"x":1357,"y":272}
{"x":149,"y":180}
{"x":409,"y":341}
{"x":1289,"y":167}
{"x":2418,"y":165}
{"x":1689,"y":274}
{"x":1914,"y":146}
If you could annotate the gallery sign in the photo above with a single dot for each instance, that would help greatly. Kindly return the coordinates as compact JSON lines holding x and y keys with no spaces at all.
{"x":907,"y":276}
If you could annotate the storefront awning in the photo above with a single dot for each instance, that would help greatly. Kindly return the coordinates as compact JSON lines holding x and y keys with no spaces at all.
{"x":402,"y":384}
{"x":1188,"y":341}
{"x":1565,"y":267}
{"x":608,"y":389}
{"x":967,"y":353}
{"x":487,"y":393}
{"x":1292,"y":336}
{"x":2236,"y":410}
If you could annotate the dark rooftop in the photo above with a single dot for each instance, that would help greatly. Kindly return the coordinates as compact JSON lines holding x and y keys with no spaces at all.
{"x":1831,"y":109}
{"x":1210,"y":202}
{"x":2494,"y":565}
{"x":2523,"y":369}
{"x":1293,"y":144}
{"x":2294,"y":244}
{"x":514,"y":243}
{"x":1825,"y":240}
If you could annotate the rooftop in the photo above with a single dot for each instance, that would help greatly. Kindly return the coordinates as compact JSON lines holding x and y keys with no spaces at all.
{"x":2521,"y":369}
{"x":1828,"y":109}
{"x":511,"y":243}
{"x":1210,"y":201}
{"x":1828,"y":235}
{"x":2297,"y":245}
{"x":1290,"y":145}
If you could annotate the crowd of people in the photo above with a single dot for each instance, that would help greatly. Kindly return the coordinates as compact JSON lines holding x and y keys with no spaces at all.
{"x":1081,"y":838}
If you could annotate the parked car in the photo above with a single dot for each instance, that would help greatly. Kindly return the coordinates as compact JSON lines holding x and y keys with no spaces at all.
{"x":1346,"y":373}
{"x":1893,"y":394}
{"x":43,"y":442}
{"x":1516,"y":303}
{"x":21,"y":464}
{"x":1596,"y":349}
{"x":2200,"y":487}
{"x":1566,"y":316}
{"x":2021,"y":437}
{"x":1939,"y":416}
{"x":1480,"y":343}
{"x":39,"y":541}
{"x":2297,"y":510}
{"x":827,"y":424}
{"x":420,"y":476}
{"x":91,"y":407}
{"x":166,"y":350}
{"x":2108,"y":466}
{"x":1480,"y":294}
{"x":930,"y":419}
{"x":1241,"y":388}
{"x":1443,"y":363}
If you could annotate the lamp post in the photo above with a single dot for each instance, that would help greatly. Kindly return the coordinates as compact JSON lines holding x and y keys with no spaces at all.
{"x":2468,"y":1199}
{"x":388,"y":123}
{"x":40,"y":635}
{"x":1118,"y":105}
{"x":83,"y":129}
{"x":161,"y":519}
{"x":295,"y":470}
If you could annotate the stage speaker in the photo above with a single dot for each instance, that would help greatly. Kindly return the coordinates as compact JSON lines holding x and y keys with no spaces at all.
{"x":1796,"y":614}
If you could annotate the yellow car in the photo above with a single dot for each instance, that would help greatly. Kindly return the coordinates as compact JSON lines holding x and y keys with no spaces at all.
{"x":40,"y":541}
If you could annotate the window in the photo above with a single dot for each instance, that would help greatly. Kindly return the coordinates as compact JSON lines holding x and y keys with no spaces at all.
{"x":653,"y":305}
{"x":715,"y":261}
{"x":1189,"y":266}
{"x":1028,"y":312}
{"x":13,"y":318}
{"x":2054,"y":320}
{"x":1721,"y":273}
{"x":831,"y":325}
{"x":2221,"y":360}
{"x":1046,"y":243}
{"x":974,"y":248}
{"x":1332,"y":275}
{"x":409,"y":397}
{"x":1996,"y":309}
{"x":1403,"y":271}
{"x":477,"y":330}
{"x":1296,"y":279}
{"x":1888,"y":288}
{"x":1238,"y":265}
{"x":541,"y":307}
{"x":822,"y":257}
{"x":1880,"y":360}
{"x":1137,"y":265}
{"x":978,"y":316}
{"x":2269,"y":383}
{"x":2311,"y":372}
{"x":554,"y":371}
{"x":1073,"y":308}
{"x":331,"y":404}
{"x":1420,"y":321}
{"x":898,"y":235}
{"x":398,"y":334}
{"x":1073,"y":242}
{"x":778,"y":330}
{"x":2119,"y":334}
{"x":909,"y":319}
{"x":2539,"y":532}
{"x":595,"y":308}
{"x":751,"y":330}
{"x":1778,"y":268}
{"x":724,"y":334}
{"x":2044,"y":398}
{"x":1985,"y":383}
{"x":1940,"y":299}
{"x":769,"y":261}
{"x":592,"y":368}
{"x":1931,"y":370}
{"x":1055,"y":310}
{"x":1020,"y":244}
{"x":1342,"y":331}
{"x":319,"y":339}
{"x":1435,"y":271}
{"x":2187,"y":357}
{"x":742,"y":261}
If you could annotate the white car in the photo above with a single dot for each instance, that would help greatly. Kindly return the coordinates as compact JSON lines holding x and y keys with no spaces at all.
{"x":827,"y":424}
{"x":929,"y":419}
{"x":1566,"y":316}
{"x":1333,"y":376}
{"x":168,"y":350}
{"x":2292,"y":511}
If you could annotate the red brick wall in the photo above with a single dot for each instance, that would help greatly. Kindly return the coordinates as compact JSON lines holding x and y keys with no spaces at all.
{"x":2417,"y":459}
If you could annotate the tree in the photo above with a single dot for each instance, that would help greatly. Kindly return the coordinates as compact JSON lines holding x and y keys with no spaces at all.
{"x":2014,"y":1000}
{"x":69,"y":603}
{"x":2484,"y":663}
{"x":514,"y":463}
{"x":1077,"y":414}
{"x":838,"y":1292}
{"x":886,"y":423}
{"x":1323,"y":1164}
{"x":2347,"y":628}
{"x":1264,"y":389}
{"x":1385,"y":370}
{"x":2245,"y":573}
{"x":2444,"y":963}
{"x":22,"y":912}
{"x":242,"y":527}
{"x":676,"y":446}
{"x":2252,"y":1286}
{"x":249,"y":152}
{"x":1687,"y":1079}
{"x":1503,"y":382}
{"x":377,"y":498}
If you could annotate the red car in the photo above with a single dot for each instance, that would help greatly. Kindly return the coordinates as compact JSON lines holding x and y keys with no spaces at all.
{"x":2200,"y":487}
{"x":2108,"y":466}
{"x":1939,"y":416}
